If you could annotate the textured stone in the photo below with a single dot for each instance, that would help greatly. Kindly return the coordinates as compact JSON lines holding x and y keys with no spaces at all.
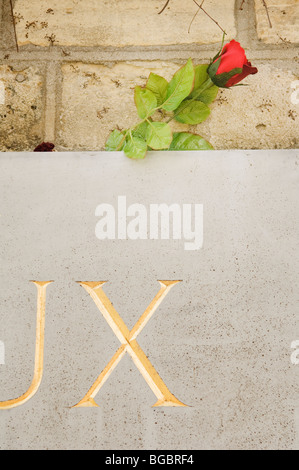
{"x":257,"y":116}
{"x":96,"y":99}
{"x":284,"y":18}
{"x":21,"y":113}
{"x":220,"y":339}
{"x":297,"y":425}
{"x":119,"y":23}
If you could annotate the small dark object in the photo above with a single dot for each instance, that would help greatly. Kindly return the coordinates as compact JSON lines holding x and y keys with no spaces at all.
{"x":44,"y":147}
{"x":165,"y":6}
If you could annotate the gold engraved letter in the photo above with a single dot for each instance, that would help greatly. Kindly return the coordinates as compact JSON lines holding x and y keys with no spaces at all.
{"x":129,"y":344}
{"x":39,"y":350}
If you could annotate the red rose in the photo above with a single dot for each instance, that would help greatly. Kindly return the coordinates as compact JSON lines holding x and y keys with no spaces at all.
{"x":230,"y":66}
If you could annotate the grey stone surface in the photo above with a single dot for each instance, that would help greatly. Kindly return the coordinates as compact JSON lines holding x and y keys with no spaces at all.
{"x":221,"y":338}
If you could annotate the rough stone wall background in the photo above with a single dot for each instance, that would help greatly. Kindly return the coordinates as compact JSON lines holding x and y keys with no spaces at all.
{"x":72,"y":80}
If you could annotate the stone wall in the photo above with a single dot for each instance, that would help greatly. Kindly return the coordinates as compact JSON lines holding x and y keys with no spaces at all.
{"x":71,"y":81}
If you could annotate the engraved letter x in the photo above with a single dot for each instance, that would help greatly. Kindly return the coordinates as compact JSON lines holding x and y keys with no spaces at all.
{"x":129,"y":344}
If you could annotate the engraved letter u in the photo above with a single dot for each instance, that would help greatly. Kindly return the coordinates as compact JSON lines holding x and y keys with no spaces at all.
{"x":39,"y":350}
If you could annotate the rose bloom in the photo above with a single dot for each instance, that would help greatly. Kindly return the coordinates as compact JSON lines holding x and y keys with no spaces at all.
{"x":230,"y":66}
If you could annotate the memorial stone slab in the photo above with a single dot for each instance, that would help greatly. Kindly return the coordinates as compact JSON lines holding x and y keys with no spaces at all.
{"x":203,"y":363}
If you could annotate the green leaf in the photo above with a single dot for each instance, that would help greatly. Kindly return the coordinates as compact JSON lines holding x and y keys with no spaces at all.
{"x":192,"y":112}
{"x":140,"y":131}
{"x":188,"y":141}
{"x":159,"y":135}
{"x":201,"y":75}
{"x":209,"y":95}
{"x":145,"y":102}
{"x":158,"y":86}
{"x":135,"y":147}
{"x":179,"y":87}
{"x":115,"y":141}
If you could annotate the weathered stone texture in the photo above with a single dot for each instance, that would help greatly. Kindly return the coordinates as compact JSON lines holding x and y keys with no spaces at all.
{"x":282,"y":25}
{"x":258,"y":116}
{"x":92,"y":99}
{"x":119,"y":23}
{"x":97,"y":99}
{"x":21,"y":125}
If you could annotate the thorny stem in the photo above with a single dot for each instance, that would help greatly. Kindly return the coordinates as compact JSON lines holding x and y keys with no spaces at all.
{"x":14,"y":25}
